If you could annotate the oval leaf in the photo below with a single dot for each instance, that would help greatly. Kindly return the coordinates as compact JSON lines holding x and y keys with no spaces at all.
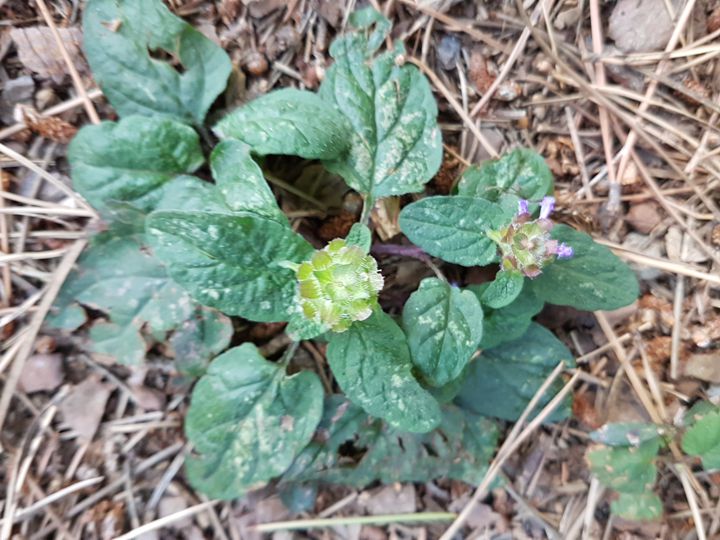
{"x":131,"y":160}
{"x":372,"y":365}
{"x":454,"y":228}
{"x":592,"y":279}
{"x":290,"y":122}
{"x":503,"y":380}
{"x":503,"y":290}
{"x":231,"y":262}
{"x":241,"y":181}
{"x":521,"y":172}
{"x":118,"y":38}
{"x":444,"y":328}
{"x":510,"y":322}
{"x":248,"y":421}
{"x":395,"y":145}
{"x":703,"y":440}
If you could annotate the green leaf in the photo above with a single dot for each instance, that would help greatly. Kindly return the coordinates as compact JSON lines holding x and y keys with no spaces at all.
{"x":702,"y":439}
{"x":248,"y":421}
{"x":503,"y":380}
{"x":522,"y":172}
{"x":360,"y":236}
{"x":444,"y":328}
{"x":241,"y":181}
{"x":625,"y":433}
{"x":454,"y":228}
{"x":117,"y":276}
{"x":503,"y":290}
{"x":459,"y":449}
{"x":289,"y":122}
{"x":627,"y":469}
{"x":131,"y":160}
{"x":125,"y":343}
{"x":637,"y":506}
{"x":395,"y":144}
{"x":372,"y":365}
{"x":119,"y":37}
{"x":232,"y":261}
{"x":365,"y":19}
{"x":200,"y":338}
{"x":592,"y":279}
{"x":510,"y":322}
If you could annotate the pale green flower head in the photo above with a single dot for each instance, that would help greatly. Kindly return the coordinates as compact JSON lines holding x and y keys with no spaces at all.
{"x":338,"y":285}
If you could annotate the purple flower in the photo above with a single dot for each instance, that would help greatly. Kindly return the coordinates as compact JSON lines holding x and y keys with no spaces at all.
{"x":523,"y":207}
{"x":546,"y":207}
{"x":564,"y":251}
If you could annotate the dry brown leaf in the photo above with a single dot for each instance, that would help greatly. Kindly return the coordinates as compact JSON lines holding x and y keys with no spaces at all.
{"x":39,"y":52}
{"x":84,"y":407}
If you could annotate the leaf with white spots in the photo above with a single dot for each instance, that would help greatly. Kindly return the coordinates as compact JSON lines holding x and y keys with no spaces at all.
{"x":503,"y":380}
{"x":119,"y":38}
{"x":521,"y":172}
{"x":702,"y":438}
{"x":444,"y":327}
{"x":627,"y":469}
{"x":241,"y":181}
{"x":288,"y":122}
{"x":371,"y":362}
{"x":230,"y":260}
{"x":247,"y":421}
{"x":503,"y":290}
{"x":131,"y":160}
{"x":199,"y":338}
{"x":454,"y":228}
{"x":592,"y":279}
{"x":118,"y":276}
{"x":395,"y":144}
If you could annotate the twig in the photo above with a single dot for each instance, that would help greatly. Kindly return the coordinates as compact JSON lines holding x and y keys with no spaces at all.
{"x":512,"y":442}
{"x":59,"y":276}
{"x":74,"y":75}
{"x":302,"y":524}
{"x":455,"y":105}
{"x":166,"y":520}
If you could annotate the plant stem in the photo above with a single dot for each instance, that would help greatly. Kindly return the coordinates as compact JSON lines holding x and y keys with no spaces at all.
{"x":368,"y":204}
{"x":289,"y":353}
{"x":357,"y":520}
{"x":408,"y":251}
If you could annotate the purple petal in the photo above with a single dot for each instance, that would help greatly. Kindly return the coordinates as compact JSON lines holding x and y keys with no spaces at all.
{"x":546,"y":207}
{"x":523,"y":207}
{"x":564,"y":251}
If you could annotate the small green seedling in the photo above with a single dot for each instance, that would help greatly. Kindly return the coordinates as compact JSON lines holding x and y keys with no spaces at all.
{"x":410,"y":394}
{"x":625,"y":455}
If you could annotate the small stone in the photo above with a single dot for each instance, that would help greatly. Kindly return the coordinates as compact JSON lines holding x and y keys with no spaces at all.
{"x":42,"y":372}
{"x":256,"y":63}
{"x":391,"y":500}
{"x":644,"y":244}
{"x":18,"y":90}
{"x":641,"y":25}
{"x":704,"y":366}
{"x":644,"y":217}
{"x":172,"y":504}
{"x":45,"y":97}
{"x":448,"y":51}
